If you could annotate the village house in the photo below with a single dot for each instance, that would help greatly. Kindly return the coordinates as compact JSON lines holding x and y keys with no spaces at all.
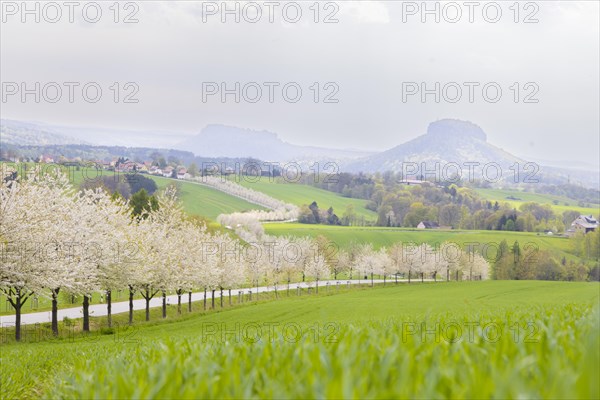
{"x":106,"y":164}
{"x":48,"y":159}
{"x":182,"y":173}
{"x":154,"y":170}
{"x":168,"y":171}
{"x":141,"y":168}
{"x":584,"y":224}
{"x":127,"y":166}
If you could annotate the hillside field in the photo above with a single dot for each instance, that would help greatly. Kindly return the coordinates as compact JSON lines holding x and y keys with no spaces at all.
{"x":196,"y":199}
{"x":205,"y":201}
{"x":303,"y":194}
{"x":436,"y":340}
{"x":564,"y":203}
{"x":344,"y":236}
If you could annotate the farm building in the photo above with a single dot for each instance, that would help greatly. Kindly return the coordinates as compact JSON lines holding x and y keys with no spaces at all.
{"x":583,"y":223}
{"x":428,"y":225}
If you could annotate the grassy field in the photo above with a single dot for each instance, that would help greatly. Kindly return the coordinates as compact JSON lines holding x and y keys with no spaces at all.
{"x":196,"y":199}
{"x":564,"y":203}
{"x":495,"y":339}
{"x":205,"y":201}
{"x":304,"y":194}
{"x":381,"y":236}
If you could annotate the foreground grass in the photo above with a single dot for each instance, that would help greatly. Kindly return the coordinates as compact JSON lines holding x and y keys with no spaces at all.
{"x":357,"y":344}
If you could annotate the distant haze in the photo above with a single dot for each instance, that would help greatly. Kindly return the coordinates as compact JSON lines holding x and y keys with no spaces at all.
{"x":368,"y":55}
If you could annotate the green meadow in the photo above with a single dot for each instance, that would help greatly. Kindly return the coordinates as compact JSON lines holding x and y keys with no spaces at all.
{"x":493,"y":339}
{"x":345,"y":236}
{"x":304,"y":195}
{"x":559,"y":204}
{"x":204,"y":201}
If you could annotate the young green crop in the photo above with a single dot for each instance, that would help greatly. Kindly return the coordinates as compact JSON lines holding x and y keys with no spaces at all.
{"x":543,"y":343}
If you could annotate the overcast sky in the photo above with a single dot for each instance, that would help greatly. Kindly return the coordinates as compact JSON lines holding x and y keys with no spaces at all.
{"x":368,"y":54}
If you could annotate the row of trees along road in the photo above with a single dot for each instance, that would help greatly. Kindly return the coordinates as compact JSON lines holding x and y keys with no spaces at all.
{"x":56,"y":239}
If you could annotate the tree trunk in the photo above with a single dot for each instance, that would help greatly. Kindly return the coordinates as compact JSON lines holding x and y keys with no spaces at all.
{"x":109,"y":307}
{"x":86,"y":313}
{"x":384,"y":277}
{"x":422,"y":277}
{"x":230,"y":297}
{"x":372,"y":284}
{"x":55,"y":311}
{"x":409,"y":276}
{"x":147,"y":298}
{"x":130,"y":305}
{"x":190,"y":301}
{"x":17,"y":307}
{"x":205,"y":299}
{"x":17,"y":304}
{"x":179,"y":293}
{"x":457,"y":275}
{"x":212,"y":300}
{"x":164,"y":304}
{"x":396,"y":277}
{"x":447,"y":274}
{"x":221,"y":299}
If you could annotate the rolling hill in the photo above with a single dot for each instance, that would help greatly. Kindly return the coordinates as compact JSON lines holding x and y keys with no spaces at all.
{"x":446,"y":141}
{"x":204,"y":201}
{"x":32,"y":134}
{"x":303,"y":195}
{"x":229,"y":141}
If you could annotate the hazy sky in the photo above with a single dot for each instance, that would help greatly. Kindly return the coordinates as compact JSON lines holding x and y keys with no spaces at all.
{"x":369,"y":54}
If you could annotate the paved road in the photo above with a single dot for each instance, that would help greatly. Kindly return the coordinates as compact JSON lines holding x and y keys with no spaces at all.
{"x":97,"y":310}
